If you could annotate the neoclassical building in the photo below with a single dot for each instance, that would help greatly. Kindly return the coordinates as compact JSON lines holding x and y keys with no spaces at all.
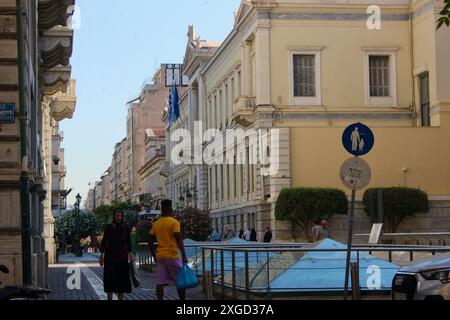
{"x":310,"y":68}
{"x":35,"y":79}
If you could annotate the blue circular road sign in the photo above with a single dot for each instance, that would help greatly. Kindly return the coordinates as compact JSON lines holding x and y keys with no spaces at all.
{"x":358,"y":139}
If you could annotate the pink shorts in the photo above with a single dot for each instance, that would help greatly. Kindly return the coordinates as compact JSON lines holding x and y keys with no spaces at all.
{"x":167,"y":271}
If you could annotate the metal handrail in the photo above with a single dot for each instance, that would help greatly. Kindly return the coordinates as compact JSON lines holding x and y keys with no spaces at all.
{"x":420,"y":234}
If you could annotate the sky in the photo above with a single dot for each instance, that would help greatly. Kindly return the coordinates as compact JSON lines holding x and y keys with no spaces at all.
{"x":118,"y":45}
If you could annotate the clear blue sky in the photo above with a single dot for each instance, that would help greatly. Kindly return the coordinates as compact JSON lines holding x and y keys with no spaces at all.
{"x":118,"y":46}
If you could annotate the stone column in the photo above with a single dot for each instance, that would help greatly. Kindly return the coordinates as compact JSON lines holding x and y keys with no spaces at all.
{"x":248,"y":74}
{"x":49,"y":221}
{"x":262,"y":63}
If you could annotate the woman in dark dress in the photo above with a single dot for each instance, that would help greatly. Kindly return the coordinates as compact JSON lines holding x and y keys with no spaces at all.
{"x":116,"y":251}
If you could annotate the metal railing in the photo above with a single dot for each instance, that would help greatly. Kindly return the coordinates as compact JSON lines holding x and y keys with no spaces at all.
{"x":428,"y":238}
{"x":245,"y":273}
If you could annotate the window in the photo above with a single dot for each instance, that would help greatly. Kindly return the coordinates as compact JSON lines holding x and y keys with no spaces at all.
{"x":305,"y":71}
{"x":239,"y":84}
{"x":424,"y":83}
{"x":381,"y":78}
{"x":304,"y":75}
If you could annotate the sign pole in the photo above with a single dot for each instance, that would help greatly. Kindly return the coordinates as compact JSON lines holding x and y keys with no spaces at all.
{"x":349,"y":248}
{"x":358,"y":139}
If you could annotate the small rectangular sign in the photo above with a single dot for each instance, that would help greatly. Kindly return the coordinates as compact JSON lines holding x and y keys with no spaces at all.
{"x":7,"y":113}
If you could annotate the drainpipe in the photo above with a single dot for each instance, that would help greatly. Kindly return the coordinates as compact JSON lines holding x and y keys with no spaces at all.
{"x":413,"y":78}
{"x":24,"y":179}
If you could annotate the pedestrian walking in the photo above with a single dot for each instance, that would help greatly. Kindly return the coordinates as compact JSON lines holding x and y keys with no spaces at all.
{"x":253,"y":236}
{"x":324,"y":231}
{"x":268,"y":235}
{"x":315,"y":231}
{"x":241,"y":235}
{"x":166,"y":231}
{"x":229,"y":234}
{"x":247,"y":233}
{"x":134,"y":241}
{"x":115,"y":255}
{"x":216,"y":236}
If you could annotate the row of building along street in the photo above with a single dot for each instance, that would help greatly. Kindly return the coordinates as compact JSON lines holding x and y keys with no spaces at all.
{"x":290,"y":76}
{"x":335,"y":71}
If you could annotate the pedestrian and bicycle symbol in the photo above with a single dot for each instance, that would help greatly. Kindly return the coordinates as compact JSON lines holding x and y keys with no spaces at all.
{"x":358,"y":139}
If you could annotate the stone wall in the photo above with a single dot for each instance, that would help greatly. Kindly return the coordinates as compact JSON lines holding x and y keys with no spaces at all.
{"x":437,"y":220}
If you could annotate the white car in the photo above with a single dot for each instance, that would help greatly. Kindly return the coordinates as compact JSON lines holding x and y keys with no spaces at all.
{"x":425,"y":280}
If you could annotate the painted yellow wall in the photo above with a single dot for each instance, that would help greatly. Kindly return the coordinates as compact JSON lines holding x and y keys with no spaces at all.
{"x":342,"y":61}
{"x":425,"y":152}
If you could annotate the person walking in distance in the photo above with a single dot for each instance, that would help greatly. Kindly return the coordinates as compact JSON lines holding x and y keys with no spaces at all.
{"x":268,"y":235}
{"x":324,"y":231}
{"x":247,"y":233}
{"x":116,"y":251}
{"x":316,"y":230}
{"x":167,"y":232}
{"x":229,"y":234}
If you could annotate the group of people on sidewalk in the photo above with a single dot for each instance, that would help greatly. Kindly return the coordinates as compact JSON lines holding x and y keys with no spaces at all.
{"x":249,"y":234}
{"x":119,"y":245}
{"x":117,"y":252}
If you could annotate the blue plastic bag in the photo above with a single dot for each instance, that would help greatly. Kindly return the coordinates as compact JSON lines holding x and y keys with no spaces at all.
{"x":186,"y":278}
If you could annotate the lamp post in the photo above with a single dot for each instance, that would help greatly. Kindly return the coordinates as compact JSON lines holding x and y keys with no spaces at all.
{"x":78,"y":202}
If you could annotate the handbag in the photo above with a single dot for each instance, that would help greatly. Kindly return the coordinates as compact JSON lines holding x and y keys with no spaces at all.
{"x":134,"y":274}
{"x":186,"y":278}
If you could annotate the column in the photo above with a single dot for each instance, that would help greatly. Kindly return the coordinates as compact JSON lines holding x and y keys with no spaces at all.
{"x":262,"y":63}
{"x":49,"y":221}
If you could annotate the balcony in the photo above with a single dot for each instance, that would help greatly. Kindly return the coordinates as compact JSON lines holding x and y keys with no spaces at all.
{"x":165,"y":168}
{"x":244,"y":111}
{"x":63,"y":105}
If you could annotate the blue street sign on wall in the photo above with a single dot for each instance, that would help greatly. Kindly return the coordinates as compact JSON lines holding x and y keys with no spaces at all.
{"x":7,"y":113}
{"x":358,"y":139}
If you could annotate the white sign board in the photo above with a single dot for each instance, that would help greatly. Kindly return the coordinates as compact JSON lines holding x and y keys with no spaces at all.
{"x":355,"y":174}
{"x":376,"y":233}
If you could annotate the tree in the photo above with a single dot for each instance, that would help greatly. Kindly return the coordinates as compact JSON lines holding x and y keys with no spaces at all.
{"x":301,"y":206}
{"x":75,"y":225}
{"x":104,"y":213}
{"x":445,"y":15}
{"x":398,"y":203}
{"x":194,"y":224}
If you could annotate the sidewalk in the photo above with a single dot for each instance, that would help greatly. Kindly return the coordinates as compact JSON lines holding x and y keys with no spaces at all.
{"x":92,"y":283}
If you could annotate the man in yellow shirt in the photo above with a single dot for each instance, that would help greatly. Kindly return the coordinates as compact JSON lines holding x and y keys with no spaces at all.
{"x":168,"y":235}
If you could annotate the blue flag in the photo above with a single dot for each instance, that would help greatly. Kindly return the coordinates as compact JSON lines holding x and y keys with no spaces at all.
{"x":174,"y":107}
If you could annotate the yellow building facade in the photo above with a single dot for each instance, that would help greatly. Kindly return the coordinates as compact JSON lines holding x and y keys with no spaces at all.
{"x":310,"y":68}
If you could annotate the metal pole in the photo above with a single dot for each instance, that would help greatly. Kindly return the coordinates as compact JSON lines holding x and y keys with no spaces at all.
{"x":269,"y":290}
{"x":233,"y":274}
{"x":349,"y":246}
{"x":222,"y":275}
{"x":203,"y":269}
{"x":247,"y":278}
{"x":356,"y":294}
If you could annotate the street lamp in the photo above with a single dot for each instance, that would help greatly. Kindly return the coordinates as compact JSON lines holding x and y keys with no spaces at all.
{"x":78,"y":202}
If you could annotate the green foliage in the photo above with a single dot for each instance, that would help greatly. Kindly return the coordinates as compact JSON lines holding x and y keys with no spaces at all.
{"x":104,"y":214}
{"x":445,"y":15}
{"x":143,"y":228}
{"x":194,"y":224}
{"x":399,"y":203}
{"x":301,"y":206}
{"x":75,"y":225}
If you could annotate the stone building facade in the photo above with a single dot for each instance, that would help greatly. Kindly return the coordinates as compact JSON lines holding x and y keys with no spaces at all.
{"x":308,"y":69}
{"x":35,"y":49}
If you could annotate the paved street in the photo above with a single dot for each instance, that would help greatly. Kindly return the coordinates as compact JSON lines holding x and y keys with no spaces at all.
{"x":92,"y":285}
